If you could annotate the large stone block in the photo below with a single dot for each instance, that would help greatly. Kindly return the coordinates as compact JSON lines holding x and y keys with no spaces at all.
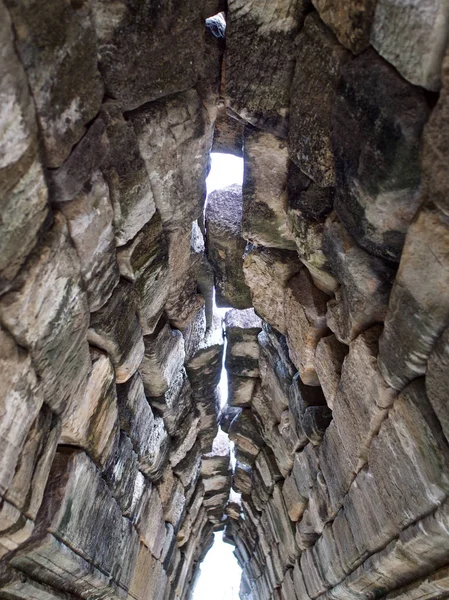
{"x":175,"y":403}
{"x":94,"y":424}
{"x":23,"y":191}
{"x":126,"y":175}
{"x":47,"y":313}
{"x":437,"y":382}
{"x":363,"y":397}
{"x":305,"y":317}
{"x":60,"y":59}
{"x":116,"y":330}
{"x":362,"y":298}
{"x":175,"y":136}
{"x":144,"y":260}
{"x":377,"y":165}
{"x":89,"y":219}
{"x":319,"y":61}
{"x":150,"y":521}
{"x":226,"y":246}
{"x":350,"y":21}
{"x":309,"y":414}
{"x":260,"y":60}
{"x":267,"y":271}
{"x":242,"y":352}
{"x":69,"y":538}
{"x":409,"y":458}
{"x":329,"y":357}
{"x":169,"y":41}
{"x":147,"y":432}
{"x":419,"y":306}
{"x":412,"y":36}
{"x":164,"y":357}
{"x":264,"y":221}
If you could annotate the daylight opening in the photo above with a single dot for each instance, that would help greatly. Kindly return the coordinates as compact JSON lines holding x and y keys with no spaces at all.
{"x":219,"y":575}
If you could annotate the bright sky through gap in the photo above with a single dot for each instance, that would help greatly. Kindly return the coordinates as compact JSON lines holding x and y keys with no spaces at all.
{"x":220,"y":574}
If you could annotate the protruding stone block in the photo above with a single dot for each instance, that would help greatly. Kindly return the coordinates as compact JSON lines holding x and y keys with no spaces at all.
{"x":242,"y":352}
{"x":319,"y":60}
{"x":267,"y":272}
{"x":226,"y":246}
{"x":329,"y":357}
{"x":116,"y":330}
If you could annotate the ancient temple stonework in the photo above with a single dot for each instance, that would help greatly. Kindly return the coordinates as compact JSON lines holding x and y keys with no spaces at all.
{"x":332,"y":258}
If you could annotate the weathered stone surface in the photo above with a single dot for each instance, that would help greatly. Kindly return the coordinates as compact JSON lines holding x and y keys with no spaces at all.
{"x":436,"y":380}
{"x":160,"y":33}
{"x":15,"y":585}
{"x":310,"y":415}
{"x":228,"y":132}
{"x":363,"y":397}
{"x":264,"y":220}
{"x":123,"y":478}
{"x":126,"y":175}
{"x":164,"y":357}
{"x":65,"y":513}
{"x":318,"y":65}
{"x":144,"y":261}
{"x":244,"y":432}
{"x":175,"y":403}
{"x":305,"y":316}
{"x":362,"y":298}
{"x":61,"y":50}
{"x":67,"y":182}
{"x":350,"y":21}
{"x":115,"y":329}
{"x":242,"y":352}
{"x":409,"y":457}
{"x":240,"y":390}
{"x":225,"y":246}
{"x":418,"y":311}
{"x":89,"y":219}
{"x":329,"y":357}
{"x":260,"y":60}
{"x":23,"y":189}
{"x":47,"y":313}
{"x":150,"y":521}
{"x":217,"y":462}
{"x":413,"y":38}
{"x":94,"y":424}
{"x":267,"y":272}
{"x":175,"y":135}
{"x":378,"y":173}
{"x":147,"y":432}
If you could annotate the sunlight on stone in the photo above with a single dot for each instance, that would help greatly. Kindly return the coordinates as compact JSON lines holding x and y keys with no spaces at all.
{"x":220,"y":574}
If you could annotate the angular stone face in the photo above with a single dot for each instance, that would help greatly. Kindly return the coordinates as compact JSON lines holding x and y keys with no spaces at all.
{"x":267,"y":272}
{"x":350,"y":21}
{"x":264,"y":221}
{"x":362,"y":297}
{"x":47,"y":313}
{"x":94,"y":425}
{"x":436,"y":380}
{"x":161,"y":33}
{"x":176,"y":403}
{"x":418,"y":311}
{"x":126,"y":176}
{"x":242,"y":352}
{"x":305,"y":316}
{"x":115,"y":329}
{"x":93,"y":237}
{"x":259,"y":65}
{"x":226,"y":246}
{"x":62,"y":51}
{"x":319,"y":61}
{"x":412,"y":36}
{"x":175,"y":135}
{"x":329,"y":356}
{"x":378,"y":172}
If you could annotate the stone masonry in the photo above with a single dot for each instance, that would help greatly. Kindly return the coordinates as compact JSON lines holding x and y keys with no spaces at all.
{"x":333,"y":260}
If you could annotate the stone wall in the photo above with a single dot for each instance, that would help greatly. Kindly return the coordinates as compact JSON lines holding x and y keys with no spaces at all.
{"x":334,"y":259}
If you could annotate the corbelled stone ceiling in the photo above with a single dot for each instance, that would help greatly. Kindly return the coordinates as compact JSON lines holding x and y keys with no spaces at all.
{"x":332,"y":258}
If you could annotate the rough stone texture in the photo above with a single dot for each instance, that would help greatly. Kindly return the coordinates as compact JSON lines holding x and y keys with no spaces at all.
{"x":377,"y":127}
{"x":226,"y":246}
{"x":114,"y":474}
{"x":267,"y":272}
{"x":417,"y":313}
{"x":412,"y":36}
{"x":67,"y":91}
{"x":319,"y":61}
{"x":350,"y":21}
{"x":365,"y":282}
{"x":260,"y":60}
{"x":264,"y":220}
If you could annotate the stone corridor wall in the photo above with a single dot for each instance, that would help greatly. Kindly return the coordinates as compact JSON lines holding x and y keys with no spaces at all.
{"x":334,"y":259}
